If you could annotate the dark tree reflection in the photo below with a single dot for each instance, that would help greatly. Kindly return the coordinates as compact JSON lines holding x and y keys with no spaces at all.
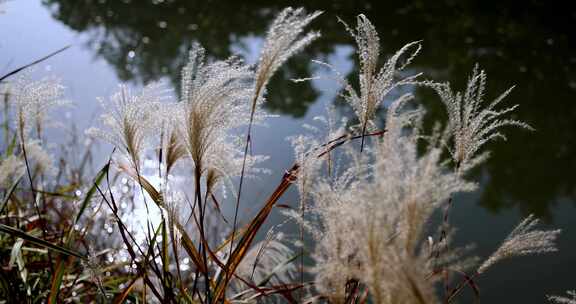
{"x":531,"y":45}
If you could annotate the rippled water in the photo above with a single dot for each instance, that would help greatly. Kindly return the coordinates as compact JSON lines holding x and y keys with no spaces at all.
{"x":532,"y":46}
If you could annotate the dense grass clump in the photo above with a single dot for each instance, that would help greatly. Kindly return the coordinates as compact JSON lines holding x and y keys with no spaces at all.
{"x":368,"y":192}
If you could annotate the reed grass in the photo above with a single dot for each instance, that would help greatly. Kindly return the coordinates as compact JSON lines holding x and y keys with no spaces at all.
{"x":368,"y":192}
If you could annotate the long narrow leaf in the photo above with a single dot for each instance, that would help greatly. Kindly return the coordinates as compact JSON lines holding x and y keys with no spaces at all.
{"x":122,"y":297}
{"x":61,"y":266}
{"x":32,"y":63}
{"x":57,"y":280}
{"x":154,"y":194}
{"x":277,"y":269}
{"x":91,"y":192}
{"x":9,"y":193}
{"x":191,"y":249}
{"x":40,"y":242}
{"x":248,"y":237}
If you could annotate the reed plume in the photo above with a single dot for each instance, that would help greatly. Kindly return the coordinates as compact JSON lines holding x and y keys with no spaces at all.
{"x":373,"y":219}
{"x":375,"y":82}
{"x":570,"y":298}
{"x":523,"y":240}
{"x":472,"y":122}
{"x":213,"y":104}
{"x":10,"y":168}
{"x":284,"y":38}
{"x":32,"y":100}
{"x":130,"y":121}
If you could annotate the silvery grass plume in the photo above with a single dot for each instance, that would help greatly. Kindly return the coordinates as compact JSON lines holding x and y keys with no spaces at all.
{"x":33,"y":99}
{"x":307,"y":147}
{"x":374,"y":217}
{"x":284,"y":38}
{"x":173,"y":149}
{"x":375,"y":82}
{"x":10,"y":167}
{"x":472,"y":122}
{"x":130,"y":121}
{"x":523,"y":240}
{"x":267,"y":263}
{"x":43,"y":160}
{"x":214,"y":104}
{"x":569,"y":299}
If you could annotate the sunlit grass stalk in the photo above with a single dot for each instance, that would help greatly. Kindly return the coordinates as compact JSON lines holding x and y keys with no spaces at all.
{"x":129,"y":239}
{"x":43,"y":228}
{"x":283,"y":40}
{"x":6,"y":124}
{"x":126,"y":235}
{"x":287,"y":180}
{"x":203,"y":249}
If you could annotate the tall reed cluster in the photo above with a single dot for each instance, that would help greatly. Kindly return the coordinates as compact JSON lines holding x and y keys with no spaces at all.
{"x":369,"y":193}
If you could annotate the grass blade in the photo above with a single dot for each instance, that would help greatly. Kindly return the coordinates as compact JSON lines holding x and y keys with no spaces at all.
{"x":91,"y":192}
{"x":248,"y":237}
{"x":191,"y":249}
{"x":61,"y":265}
{"x":122,"y":297}
{"x":9,"y":193}
{"x":277,"y":269}
{"x":40,"y":242}
{"x":33,"y":63}
{"x":57,"y":280}
{"x":154,"y":194}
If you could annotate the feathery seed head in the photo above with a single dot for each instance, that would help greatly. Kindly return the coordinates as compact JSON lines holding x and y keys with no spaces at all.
{"x":10,"y":167}
{"x":523,"y":240}
{"x":375,"y":82}
{"x":43,"y":160}
{"x":33,"y":100}
{"x":306,"y":149}
{"x":263,"y":258}
{"x":569,"y":299}
{"x":214,"y":102}
{"x":131,"y":119}
{"x":373,"y":225}
{"x":285,"y":38}
{"x":472,"y":122}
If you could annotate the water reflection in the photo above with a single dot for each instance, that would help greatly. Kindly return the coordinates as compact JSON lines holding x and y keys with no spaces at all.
{"x":532,"y":46}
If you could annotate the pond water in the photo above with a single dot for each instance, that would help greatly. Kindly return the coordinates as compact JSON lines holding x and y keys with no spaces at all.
{"x":532,"y":46}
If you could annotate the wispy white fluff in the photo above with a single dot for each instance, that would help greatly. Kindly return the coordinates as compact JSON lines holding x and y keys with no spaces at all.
{"x":285,"y":37}
{"x":375,"y":82}
{"x":267,"y":260}
{"x":38,"y":156}
{"x":373,"y":220}
{"x":474,"y":123}
{"x":130,"y":120}
{"x":33,"y":99}
{"x":10,"y":167}
{"x":570,"y":298}
{"x":263,"y":258}
{"x":523,"y":240}
{"x":214,"y":103}
{"x":309,"y":145}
